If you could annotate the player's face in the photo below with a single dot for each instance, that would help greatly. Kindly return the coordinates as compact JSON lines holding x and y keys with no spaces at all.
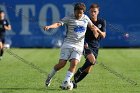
{"x":78,"y":13}
{"x":94,"y":12}
{"x":2,"y":15}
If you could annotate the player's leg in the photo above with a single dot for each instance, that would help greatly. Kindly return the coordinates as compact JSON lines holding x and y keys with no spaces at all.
{"x":1,"y":50}
{"x":74,"y":60}
{"x":71,"y":70}
{"x":56,"y":68}
{"x":62,"y":62}
{"x":85,"y":69}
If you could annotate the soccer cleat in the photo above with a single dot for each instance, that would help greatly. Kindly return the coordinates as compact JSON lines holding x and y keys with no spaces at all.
{"x":48,"y":81}
{"x":74,"y":84}
{"x":63,"y":85}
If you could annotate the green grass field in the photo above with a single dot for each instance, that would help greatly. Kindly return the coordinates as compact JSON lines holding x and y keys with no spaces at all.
{"x":18,"y":77}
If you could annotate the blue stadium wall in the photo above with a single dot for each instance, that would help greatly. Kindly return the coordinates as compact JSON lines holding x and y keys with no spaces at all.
{"x":28,"y":16}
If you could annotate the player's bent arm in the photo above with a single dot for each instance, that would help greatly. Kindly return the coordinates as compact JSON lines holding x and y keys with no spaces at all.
{"x":94,"y":29}
{"x":102,"y":34}
{"x":98,"y":32}
{"x":7,"y":27}
{"x":102,"y":31}
{"x":54,"y":25}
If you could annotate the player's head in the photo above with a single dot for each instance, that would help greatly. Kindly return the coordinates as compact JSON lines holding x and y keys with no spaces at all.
{"x":79,"y":10}
{"x":2,"y":14}
{"x":94,"y":10}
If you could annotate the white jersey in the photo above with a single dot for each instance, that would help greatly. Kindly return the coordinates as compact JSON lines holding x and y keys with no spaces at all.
{"x":75,"y":31}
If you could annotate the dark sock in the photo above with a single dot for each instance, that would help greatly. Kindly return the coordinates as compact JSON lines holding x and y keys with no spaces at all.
{"x":77,"y":74}
{"x":81,"y":70}
{"x":1,"y":52}
{"x":81,"y":77}
{"x":86,"y":65}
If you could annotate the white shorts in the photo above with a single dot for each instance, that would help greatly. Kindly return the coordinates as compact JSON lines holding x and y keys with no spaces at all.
{"x":70,"y":53}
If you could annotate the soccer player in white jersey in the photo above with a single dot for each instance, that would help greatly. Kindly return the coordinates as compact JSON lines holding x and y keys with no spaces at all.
{"x":72,"y":47}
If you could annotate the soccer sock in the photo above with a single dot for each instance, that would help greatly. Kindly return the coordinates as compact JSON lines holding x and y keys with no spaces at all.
{"x":86,"y":65}
{"x":52,"y":73}
{"x":81,"y":77}
{"x":68,"y":76}
{"x":1,"y":52}
{"x":77,"y":75}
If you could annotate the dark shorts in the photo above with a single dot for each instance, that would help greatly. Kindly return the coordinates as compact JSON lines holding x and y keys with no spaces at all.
{"x":88,"y":51}
{"x":2,"y":39}
{"x":93,"y":47}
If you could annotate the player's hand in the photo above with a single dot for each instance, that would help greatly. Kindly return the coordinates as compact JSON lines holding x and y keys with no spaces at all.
{"x":7,"y":27}
{"x":46,"y":28}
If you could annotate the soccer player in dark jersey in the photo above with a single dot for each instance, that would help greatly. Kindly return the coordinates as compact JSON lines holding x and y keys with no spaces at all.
{"x":4,"y":26}
{"x":92,"y":44}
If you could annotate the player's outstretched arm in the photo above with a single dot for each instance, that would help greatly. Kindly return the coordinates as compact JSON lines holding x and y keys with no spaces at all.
{"x":54,"y":25}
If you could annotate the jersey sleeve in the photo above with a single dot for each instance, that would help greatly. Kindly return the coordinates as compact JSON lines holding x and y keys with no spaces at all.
{"x":64,"y":20}
{"x":6,"y":23}
{"x":103,"y":26}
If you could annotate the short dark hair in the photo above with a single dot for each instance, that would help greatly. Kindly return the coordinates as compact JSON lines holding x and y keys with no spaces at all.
{"x":80,"y":6}
{"x":94,"y":6}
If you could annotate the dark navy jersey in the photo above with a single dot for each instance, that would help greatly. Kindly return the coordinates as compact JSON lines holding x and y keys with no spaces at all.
{"x":3,"y":23}
{"x":89,"y":36}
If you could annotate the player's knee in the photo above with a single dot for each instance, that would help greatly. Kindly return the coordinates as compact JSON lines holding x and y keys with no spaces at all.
{"x":62,"y":65}
{"x":91,"y":58}
{"x":1,"y":46}
{"x":93,"y":61}
{"x":72,"y":66}
{"x":73,"y":63}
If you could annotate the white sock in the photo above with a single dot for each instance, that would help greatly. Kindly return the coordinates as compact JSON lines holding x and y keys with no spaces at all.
{"x":52,"y":73}
{"x":68,"y":76}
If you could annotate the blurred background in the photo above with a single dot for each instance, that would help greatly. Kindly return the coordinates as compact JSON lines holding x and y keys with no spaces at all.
{"x":28,"y":16}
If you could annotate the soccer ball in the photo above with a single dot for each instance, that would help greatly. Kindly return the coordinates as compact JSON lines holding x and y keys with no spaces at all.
{"x":126,"y":35}
{"x":67,"y":85}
